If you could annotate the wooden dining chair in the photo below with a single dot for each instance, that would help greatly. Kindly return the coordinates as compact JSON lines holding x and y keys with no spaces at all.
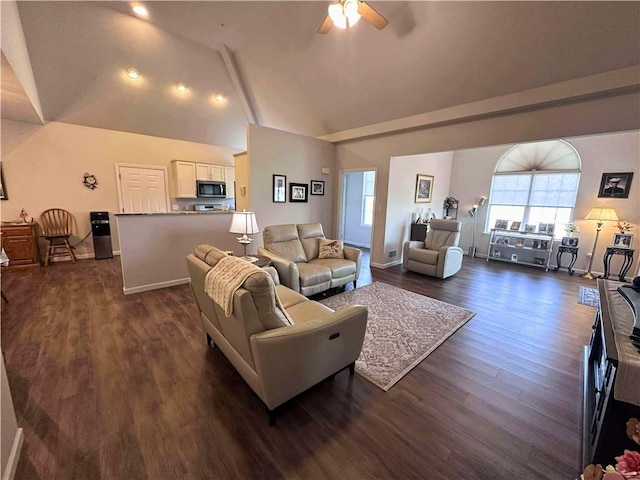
{"x":57,"y":227}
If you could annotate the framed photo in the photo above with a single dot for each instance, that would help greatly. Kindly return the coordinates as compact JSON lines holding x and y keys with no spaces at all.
{"x":544,"y":244}
{"x":622,"y":240}
{"x":530,"y":228}
{"x":497,"y":254}
{"x":501,"y":224}
{"x":514,"y":257}
{"x":542,"y":228}
{"x":516,"y":226}
{"x":519,"y":242}
{"x":551,"y":228}
{"x":3,"y":190}
{"x":536,"y":244}
{"x":424,"y":188}
{"x":502,"y":240}
{"x":615,"y":185}
{"x":298,"y":192}
{"x":279,"y":189}
{"x":317,"y":187}
{"x":570,"y":241}
{"x":538,"y":261}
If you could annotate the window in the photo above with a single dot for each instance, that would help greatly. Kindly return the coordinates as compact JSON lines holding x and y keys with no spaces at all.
{"x":538,"y":195}
{"x":368,"y":188}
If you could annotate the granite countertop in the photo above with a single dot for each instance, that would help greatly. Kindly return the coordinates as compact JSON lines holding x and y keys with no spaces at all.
{"x":190,"y":212}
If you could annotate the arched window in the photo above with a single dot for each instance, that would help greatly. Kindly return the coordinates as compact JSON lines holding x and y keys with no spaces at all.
{"x":535,"y":183}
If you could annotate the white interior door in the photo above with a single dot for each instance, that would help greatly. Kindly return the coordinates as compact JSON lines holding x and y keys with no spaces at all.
{"x":142,"y":189}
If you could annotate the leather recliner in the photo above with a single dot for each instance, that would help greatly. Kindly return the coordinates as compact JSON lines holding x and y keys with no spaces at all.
{"x":293,"y":250}
{"x":439,"y":254}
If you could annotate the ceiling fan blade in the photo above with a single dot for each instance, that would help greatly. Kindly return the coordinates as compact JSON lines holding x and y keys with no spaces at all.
{"x":372,"y":16}
{"x":326,"y":25}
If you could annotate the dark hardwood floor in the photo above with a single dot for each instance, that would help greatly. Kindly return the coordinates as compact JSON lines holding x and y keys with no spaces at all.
{"x":124,"y":387}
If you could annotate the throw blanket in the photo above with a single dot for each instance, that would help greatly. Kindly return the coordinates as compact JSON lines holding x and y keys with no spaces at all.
{"x":225,"y":278}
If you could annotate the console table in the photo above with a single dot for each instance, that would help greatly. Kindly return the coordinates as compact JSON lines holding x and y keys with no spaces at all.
{"x":418,"y":231}
{"x":574,"y":256}
{"x":610,"y":362}
{"x":628,"y":260}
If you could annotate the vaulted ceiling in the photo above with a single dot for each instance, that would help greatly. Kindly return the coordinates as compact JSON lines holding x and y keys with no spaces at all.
{"x":270,"y":63}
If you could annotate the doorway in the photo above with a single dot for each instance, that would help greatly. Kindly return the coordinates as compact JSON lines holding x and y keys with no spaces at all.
{"x":357,"y":207}
{"x":141,"y":188}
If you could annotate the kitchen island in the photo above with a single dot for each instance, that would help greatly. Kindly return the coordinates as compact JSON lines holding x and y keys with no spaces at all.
{"x":154,"y":246}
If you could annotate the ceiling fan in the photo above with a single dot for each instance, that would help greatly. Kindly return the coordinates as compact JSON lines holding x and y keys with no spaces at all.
{"x":346,"y":13}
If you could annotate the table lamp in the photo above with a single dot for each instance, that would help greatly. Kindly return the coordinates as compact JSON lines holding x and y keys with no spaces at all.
{"x":600,"y":215}
{"x":244,"y":223}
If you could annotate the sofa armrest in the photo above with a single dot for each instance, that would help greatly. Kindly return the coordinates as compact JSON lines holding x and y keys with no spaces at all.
{"x":449,"y":261}
{"x":287,"y":270}
{"x":291,"y":359}
{"x":405,"y":251}
{"x":274,"y":274}
{"x":355,"y":255}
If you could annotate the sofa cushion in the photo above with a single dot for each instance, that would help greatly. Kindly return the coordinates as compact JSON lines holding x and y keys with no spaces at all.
{"x":422,"y":255}
{"x":313,"y":274}
{"x":283,"y":241}
{"x":303,"y":312}
{"x":330,"y":248}
{"x":443,"y":233}
{"x":288,"y":297}
{"x":339,"y":267}
{"x":309,"y":234}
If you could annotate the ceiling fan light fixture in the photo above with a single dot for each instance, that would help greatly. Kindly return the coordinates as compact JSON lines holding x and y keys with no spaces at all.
{"x":351,"y":11}
{"x":181,"y":87}
{"x":218,"y":98}
{"x":132,"y":73}
{"x":336,"y":13}
{"x":139,"y":10}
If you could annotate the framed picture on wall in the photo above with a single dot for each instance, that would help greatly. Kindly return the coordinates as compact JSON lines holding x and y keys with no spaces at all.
{"x":424,"y":188}
{"x":3,"y":190}
{"x":279,"y":189}
{"x":317,"y":187}
{"x":298,"y":192}
{"x":615,"y":185}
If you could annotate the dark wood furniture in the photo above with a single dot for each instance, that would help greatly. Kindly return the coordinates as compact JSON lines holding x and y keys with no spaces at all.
{"x":574,"y":256}
{"x":628,"y":260}
{"x":418,"y":232}
{"x":57,"y":228}
{"x":603,"y":417}
{"x":20,"y":243}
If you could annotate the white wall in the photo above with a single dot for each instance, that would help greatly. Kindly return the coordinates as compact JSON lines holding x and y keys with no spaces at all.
{"x":401,"y":204}
{"x":611,"y":114}
{"x":44,"y":166}
{"x":298,"y":157}
{"x":354,"y":232}
{"x":618,"y":152}
{"x":11,"y":440}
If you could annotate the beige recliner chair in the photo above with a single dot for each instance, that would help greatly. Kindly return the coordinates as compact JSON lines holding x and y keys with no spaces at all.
{"x":293,"y":250}
{"x":276,"y":359}
{"x":439,"y":254}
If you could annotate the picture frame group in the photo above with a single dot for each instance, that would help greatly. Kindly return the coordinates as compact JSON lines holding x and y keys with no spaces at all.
{"x":569,"y":241}
{"x":298,"y":192}
{"x":622,"y":240}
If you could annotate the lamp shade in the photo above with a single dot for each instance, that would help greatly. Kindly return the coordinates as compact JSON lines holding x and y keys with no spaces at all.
{"x":244,"y":223}
{"x":602,"y":214}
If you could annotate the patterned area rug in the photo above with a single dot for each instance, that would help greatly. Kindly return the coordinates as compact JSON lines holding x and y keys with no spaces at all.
{"x":402,"y":329}
{"x":588,"y":296}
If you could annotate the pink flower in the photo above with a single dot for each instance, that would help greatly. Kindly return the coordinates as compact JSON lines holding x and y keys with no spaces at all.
{"x":633,"y":430}
{"x":629,"y":464}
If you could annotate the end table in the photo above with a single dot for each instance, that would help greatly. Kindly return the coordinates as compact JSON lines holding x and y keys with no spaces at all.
{"x":626,"y":265}
{"x":574,"y":256}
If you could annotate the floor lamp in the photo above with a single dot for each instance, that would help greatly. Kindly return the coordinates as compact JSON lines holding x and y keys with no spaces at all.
{"x":473,"y":213}
{"x":244,"y":223}
{"x":600,"y":215}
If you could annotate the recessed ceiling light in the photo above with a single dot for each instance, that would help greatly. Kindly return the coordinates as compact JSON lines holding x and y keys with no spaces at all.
{"x":218,"y":97}
{"x":139,"y":9}
{"x":181,"y":87}
{"x":132,"y":73}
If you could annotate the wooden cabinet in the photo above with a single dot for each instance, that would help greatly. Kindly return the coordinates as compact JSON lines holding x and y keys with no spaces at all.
{"x":183,"y":179}
{"x":20,"y":243}
{"x":230,"y":179}
{"x":603,"y":416}
{"x":205,"y":171}
{"x":520,"y":247}
{"x":419,"y":231}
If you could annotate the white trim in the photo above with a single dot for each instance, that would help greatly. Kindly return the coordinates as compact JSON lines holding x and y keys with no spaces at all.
{"x":14,"y":456}
{"x":340,"y":203}
{"x":149,"y":167}
{"x":386,"y":265}
{"x":155,"y":286}
{"x":236,"y":79}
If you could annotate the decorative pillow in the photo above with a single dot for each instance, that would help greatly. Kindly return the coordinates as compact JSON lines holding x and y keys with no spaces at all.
{"x":331,"y":248}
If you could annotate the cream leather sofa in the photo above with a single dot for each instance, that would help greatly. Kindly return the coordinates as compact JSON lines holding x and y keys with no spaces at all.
{"x":276,"y":359}
{"x":439,"y":254}
{"x":293,"y":250}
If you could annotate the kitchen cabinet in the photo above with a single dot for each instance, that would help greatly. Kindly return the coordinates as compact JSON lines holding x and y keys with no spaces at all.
{"x":183,"y":179}
{"x":20,"y":243}
{"x":230,"y":179}
{"x":206,"y":171}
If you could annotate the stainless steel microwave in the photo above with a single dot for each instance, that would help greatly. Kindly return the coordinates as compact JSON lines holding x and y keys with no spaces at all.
{"x":208,"y":189}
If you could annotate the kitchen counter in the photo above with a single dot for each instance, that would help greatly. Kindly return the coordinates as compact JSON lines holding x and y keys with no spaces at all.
{"x":154,"y":246}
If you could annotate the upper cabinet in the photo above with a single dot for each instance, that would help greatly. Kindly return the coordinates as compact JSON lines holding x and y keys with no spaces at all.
{"x":205,"y":171}
{"x":183,"y":179}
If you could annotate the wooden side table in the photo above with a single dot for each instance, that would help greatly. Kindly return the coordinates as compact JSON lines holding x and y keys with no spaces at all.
{"x":418,"y":231}
{"x":20,"y":242}
{"x":626,"y":265}
{"x":574,"y":256}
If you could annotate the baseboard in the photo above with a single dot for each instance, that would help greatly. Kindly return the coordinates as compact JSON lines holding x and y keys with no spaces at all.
{"x":14,"y":456}
{"x":386,"y":265}
{"x":155,"y":286}
{"x":356,"y":244}
{"x":79,"y":256}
